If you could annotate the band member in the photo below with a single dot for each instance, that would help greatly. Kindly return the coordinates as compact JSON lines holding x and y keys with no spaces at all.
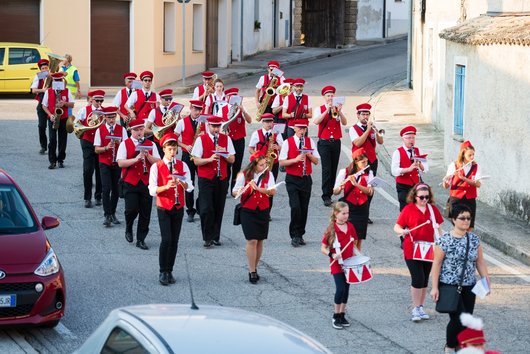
{"x":297,"y":105}
{"x":297,"y":154}
{"x":53,"y":102}
{"x":122,"y":96}
{"x":88,"y":118}
{"x":157,"y":116}
{"x":365,"y":135}
{"x":211,"y":153}
{"x":37,"y":87}
{"x":168,"y":179}
{"x":189,"y":129}
{"x":253,"y":186}
{"x":277,"y":104}
{"x":264,"y":82}
{"x":106,"y":143}
{"x":338,"y":244}
{"x":216,"y":100}
{"x":141,"y":102}
{"x":419,"y":210}
{"x":135,"y":173}
{"x":353,"y":180}
{"x":329,"y":119}
{"x":405,"y":167}
{"x":236,"y":131}
{"x":463,"y":179}
{"x":202,"y":91}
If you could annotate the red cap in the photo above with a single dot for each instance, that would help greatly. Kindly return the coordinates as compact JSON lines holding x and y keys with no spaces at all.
{"x":166,"y":92}
{"x":43,"y":62}
{"x":167,"y":138}
{"x":214,"y":120}
{"x":471,"y":336}
{"x":466,"y":144}
{"x":301,"y":123}
{"x":298,"y":81}
{"x":357,"y":153}
{"x":58,"y":75}
{"x":409,"y":129}
{"x":207,"y":74}
{"x":364,"y":107}
{"x":232,"y":91}
{"x":136,"y":123}
{"x":97,"y":93}
{"x":145,"y":74}
{"x":255,"y":155}
{"x":197,"y":104}
{"x":130,"y":76}
{"x":266,"y":117}
{"x":273,"y":63}
{"x":288,"y":80}
{"x":110,"y":110}
{"x":327,"y":89}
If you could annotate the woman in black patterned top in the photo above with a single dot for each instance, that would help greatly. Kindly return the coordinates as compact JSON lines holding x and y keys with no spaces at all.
{"x":449,"y":255}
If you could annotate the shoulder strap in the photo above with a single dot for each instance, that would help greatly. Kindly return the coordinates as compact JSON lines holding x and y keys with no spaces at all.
{"x":464,"y":265}
{"x":433,"y":222}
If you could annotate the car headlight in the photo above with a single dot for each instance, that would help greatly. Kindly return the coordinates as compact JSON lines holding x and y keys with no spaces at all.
{"x":49,"y":266}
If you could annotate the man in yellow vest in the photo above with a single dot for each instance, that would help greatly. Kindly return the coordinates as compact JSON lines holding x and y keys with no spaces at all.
{"x":72,"y":76}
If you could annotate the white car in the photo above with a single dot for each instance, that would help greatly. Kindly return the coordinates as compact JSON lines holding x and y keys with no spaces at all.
{"x":173,"y":328}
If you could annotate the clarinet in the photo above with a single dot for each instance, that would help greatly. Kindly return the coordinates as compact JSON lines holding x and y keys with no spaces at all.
{"x":215,"y":140}
{"x":141,"y":141}
{"x":177,"y":201}
{"x":304,"y":167}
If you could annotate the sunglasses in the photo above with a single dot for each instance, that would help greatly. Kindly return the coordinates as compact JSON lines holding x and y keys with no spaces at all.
{"x":465,"y":218}
{"x":147,"y":80}
{"x":98,"y":101}
{"x":422,"y":197}
{"x":167,"y":98}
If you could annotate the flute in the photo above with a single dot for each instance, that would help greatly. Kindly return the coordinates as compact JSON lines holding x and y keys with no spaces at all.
{"x":355,"y":175}
{"x":247,"y":186}
{"x":216,"y":147}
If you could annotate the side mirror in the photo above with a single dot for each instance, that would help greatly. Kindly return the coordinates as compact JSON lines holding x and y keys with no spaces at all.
{"x":50,"y":222}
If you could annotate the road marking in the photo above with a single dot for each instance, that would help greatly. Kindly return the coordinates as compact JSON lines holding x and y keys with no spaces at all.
{"x":64,"y":331}
{"x":21,"y":342}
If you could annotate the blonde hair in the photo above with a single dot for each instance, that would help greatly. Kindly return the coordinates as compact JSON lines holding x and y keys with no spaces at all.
{"x":459,"y":162}
{"x":330,"y":230}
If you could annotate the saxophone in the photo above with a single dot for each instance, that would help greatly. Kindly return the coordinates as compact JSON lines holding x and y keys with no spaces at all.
{"x":269,"y":92}
{"x":197,"y":133}
{"x":58,"y":110}
{"x":271,"y":155}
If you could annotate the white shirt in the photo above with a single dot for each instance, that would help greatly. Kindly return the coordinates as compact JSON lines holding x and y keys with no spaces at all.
{"x":197,"y":147}
{"x":285,"y":148}
{"x":153,"y":177}
{"x":45,"y":98}
{"x":261,"y":81}
{"x":254,"y":139}
{"x":353,"y":133}
{"x":152,"y":115}
{"x":196,"y":92}
{"x":97,"y":136}
{"x":240,"y":181}
{"x":341,"y":176}
{"x":116,"y":102}
{"x":215,"y":100}
{"x":451,"y":168}
{"x":396,"y":160}
{"x":35,"y":83}
{"x":134,"y":97}
{"x":276,"y":102}
{"x":286,"y":102}
{"x":122,"y":150}
{"x":81,"y":114}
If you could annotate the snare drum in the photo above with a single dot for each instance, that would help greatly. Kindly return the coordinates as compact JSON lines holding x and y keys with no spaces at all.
{"x":423,"y":251}
{"x":357,"y":269}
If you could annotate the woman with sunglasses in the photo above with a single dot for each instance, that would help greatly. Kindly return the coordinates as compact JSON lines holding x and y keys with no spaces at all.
{"x":419,"y":210}
{"x":449,"y":254}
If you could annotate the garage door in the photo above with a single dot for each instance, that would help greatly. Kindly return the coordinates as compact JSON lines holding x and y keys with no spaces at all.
{"x":20,"y":21}
{"x":109,"y":58}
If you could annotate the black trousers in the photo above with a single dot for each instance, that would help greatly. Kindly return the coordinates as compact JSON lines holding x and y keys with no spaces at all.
{"x":467,"y":304}
{"x":90,"y":164}
{"x":329,"y":151}
{"x":212,"y":198}
{"x":190,"y":198}
{"x":110,"y":175}
{"x":299,"y":191}
{"x":170,"y":222}
{"x":53,"y":155}
{"x":137,"y":203}
{"x":43,"y":119}
{"x":342,"y":289}
{"x":275,"y":168}
{"x":234,"y":168}
{"x":402,"y":191}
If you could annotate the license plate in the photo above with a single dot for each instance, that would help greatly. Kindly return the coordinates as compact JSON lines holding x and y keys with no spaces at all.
{"x":8,"y":300}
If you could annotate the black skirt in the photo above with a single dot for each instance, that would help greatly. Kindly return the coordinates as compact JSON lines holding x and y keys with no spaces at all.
{"x":359,"y":218}
{"x":255,"y":224}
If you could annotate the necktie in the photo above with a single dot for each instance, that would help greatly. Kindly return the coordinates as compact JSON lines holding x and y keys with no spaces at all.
{"x":363,"y":127}
{"x":129,"y":91}
{"x":301,"y":144}
{"x":163,"y":110}
{"x":298,"y":99}
{"x":267,"y":136}
{"x":170,"y":166}
{"x":215,"y":140}
{"x":410,"y":153}
{"x":111,"y":130}
{"x":194,"y":124}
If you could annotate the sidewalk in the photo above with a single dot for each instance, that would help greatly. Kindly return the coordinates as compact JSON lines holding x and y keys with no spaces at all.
{"x":395,"y":109}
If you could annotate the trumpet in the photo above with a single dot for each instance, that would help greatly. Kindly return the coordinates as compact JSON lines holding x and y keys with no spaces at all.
{"x":377,"y":131}
{"x":334,"y":112}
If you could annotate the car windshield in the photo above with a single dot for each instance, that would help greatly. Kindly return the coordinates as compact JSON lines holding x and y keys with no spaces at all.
{"x":15,"y":217}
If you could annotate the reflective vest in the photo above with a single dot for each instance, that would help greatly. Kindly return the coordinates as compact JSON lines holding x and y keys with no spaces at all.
{"x":70,"y":83}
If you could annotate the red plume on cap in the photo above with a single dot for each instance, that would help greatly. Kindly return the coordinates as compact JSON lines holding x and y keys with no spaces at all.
{"x":410,"y":129}
{"x":255,"y":155}
{"x":466,"y":144}
{"x":358,"y":152}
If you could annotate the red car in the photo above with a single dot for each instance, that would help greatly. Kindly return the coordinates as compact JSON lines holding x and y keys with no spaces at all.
{"x":32,"y":287}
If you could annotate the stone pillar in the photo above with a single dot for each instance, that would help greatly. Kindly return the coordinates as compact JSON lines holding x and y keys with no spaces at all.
{"x":297,"y":22}
{"x":350,"y":23}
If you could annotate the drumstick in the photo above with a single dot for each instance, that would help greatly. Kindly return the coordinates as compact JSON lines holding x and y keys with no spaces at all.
{"x":342,"y":251}
{"x":415,"y":228}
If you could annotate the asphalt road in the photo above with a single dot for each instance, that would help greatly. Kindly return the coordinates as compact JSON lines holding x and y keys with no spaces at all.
{"x":103,"y":271}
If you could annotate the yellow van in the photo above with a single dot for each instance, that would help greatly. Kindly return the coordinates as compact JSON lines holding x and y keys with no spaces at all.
{"x":18,"y":65}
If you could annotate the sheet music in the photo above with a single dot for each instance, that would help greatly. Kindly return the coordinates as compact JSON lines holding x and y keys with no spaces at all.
{"x":58,"y":85}
{"x":277,"y":72}
{"x":376,"y":182}
{"x":278,"y":128}
{"x":338,"y":100}
{"x":235,"y":100}
{"x":177,"y":108}
{"x":42,"y":75}
{"x":136,"y":85}
{"x":276,"y":185}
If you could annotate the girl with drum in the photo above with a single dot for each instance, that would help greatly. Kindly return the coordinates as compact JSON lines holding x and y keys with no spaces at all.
{"x":338,"y":244}
{"x":353,"y":180}
{"x":252,"y":186}
{"x":420,"y":219}
{"x":463,"y":179}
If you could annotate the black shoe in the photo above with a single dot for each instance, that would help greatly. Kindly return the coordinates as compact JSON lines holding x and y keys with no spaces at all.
{"x":171,"y":278}
{"x":88,"y":203}
{"x":108,"y":221}
{"x":163,"y":278}
{"x":343,"y":320}
{"x":129,"y":236}
{"x":52,"y":166}
{"x":61,"y":165}
{"x":336,"y":321}
{"x":216,"y":243}
{"x":257,"y":275}
{"x":295,"y":242}
{"x":370,"y":221}
{"x":42,"y":151}
{"x":270,"y":218}
{"x":208,"y":244}
{"x":327,"y":201}
{"x":252,"y":277}
{"x":141,"y":245}
{"x":301,"y":241}
{"x":190,"y":217}
{"x":401,"y":239}
{"x":114,"y":219}
{"x":98,"y":202}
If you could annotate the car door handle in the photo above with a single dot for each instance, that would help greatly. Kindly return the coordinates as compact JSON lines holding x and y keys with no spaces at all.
{"x":33,"y":68}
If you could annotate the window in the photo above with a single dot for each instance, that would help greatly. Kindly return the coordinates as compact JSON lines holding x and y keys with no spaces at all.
{"x":198,"y":35}
{"x":2,"y":52}
{"x":15,"y":216}
{"x":458,"y":99}
{"x":23,"y":56}
{"x":120,"y":341}
{"x":169,"y":27}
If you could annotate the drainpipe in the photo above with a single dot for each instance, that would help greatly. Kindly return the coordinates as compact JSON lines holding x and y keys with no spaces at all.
{"x":384,"y":18}
{"x":241,"y":34}
{"x":409,"y":46}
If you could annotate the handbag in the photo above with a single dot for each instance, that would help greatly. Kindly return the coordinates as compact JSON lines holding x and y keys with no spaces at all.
{"x":449,"y":295}
{"x":237,"y":214}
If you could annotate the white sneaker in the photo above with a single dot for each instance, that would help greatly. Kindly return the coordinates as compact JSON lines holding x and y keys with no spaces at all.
{"x":422,"y":313}
{"x":416,"y":315}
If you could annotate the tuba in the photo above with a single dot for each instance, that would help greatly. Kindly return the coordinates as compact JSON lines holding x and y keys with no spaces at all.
{"x":284,"y":89}
{"x":94,"y":121}
{"x":232,"y":116}
{"x":169,"y":119}
{"x":55,"y":61}
{"x":269,"y":92}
